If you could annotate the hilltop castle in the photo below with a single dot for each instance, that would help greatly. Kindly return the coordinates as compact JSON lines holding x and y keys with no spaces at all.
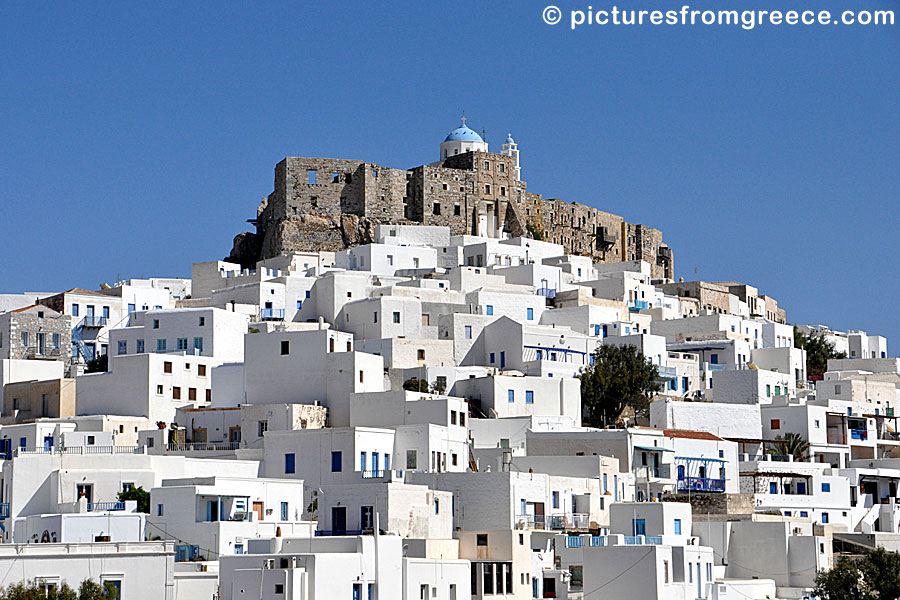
{"x":331,"y":204}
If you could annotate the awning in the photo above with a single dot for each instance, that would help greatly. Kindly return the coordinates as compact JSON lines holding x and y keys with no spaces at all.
{"x":653,"y":449}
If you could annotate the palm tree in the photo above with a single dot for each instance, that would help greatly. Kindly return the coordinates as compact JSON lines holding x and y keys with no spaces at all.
{"x":792,"y":444}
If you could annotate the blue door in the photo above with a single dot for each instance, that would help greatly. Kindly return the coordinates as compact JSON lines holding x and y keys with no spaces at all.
{"x":339,"y":519}
{"x":639,"y":527}
{"x":357,"y":591}
{"x":680,"y":472}
{"x":374,"y":464}
{"x":48,"y":443}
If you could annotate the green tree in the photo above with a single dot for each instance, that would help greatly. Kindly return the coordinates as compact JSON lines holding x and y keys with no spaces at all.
{"x":845,"y":581}
{"x":139,"y":494}
{"x":793,"y":444}
{"x":874,"y":576}
{"x":818,"y":351}
{"x":619,"y":377}
{"x":415,"y":385}
{"x":97,"y":365}
{"x":91,"y":590}
{"x":31,"y":590}
{"x":881,"y":570}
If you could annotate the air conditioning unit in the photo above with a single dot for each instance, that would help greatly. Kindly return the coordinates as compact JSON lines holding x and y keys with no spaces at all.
{"x":239,"y":540}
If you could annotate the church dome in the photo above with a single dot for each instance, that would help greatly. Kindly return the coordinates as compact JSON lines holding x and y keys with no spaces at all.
{"x":463,"y":134}
{"x":509,"y":139}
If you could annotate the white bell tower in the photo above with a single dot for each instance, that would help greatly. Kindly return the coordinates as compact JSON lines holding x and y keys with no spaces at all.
{"x":510,"y":148}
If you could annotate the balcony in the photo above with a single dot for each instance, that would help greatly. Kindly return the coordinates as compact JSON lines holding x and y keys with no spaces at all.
{"x":338,"y":532}
{"x":563,"y":522}
{"x":94,"y":321}
{"x":271,"y":314}
{"x":714,"y":367}
{"x":546,"y":292}
{"x":636,"y":305}
{"x":667,"y":372}
{"x":701,"y":484}
{"x":105,"y":506}
{"x":643,"y":540}
{"x":859,"y":434}
{"x":4,"y":510}
{"x":204,"y":447}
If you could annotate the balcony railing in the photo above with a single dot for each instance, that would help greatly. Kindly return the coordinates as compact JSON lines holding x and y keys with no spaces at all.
{"x":574,"y":541}
{"x":561,"y":522}
{"x":643,"y":540}
{"x":4,"y":510}
{"x":714,"y":367}
{"x":333,"y":532}
{"x":636,"y":305}
{"x":667,"y":372}
{"x":203,"y":447}
{"x":701,"y":484}
{"x":859,"y":434}
{"x":103,"y":506}
{"x":546,"y":292}
{"x":94,"y":321}
{"x":80,"y":450}
{"x":271,"y":314}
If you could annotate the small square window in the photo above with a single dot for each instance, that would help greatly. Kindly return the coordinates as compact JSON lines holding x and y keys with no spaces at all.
{"x":285,"y":347}
{"x":396,"y":317}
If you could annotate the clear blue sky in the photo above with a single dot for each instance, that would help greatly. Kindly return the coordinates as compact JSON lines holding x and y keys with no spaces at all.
{"x":137,"y":138}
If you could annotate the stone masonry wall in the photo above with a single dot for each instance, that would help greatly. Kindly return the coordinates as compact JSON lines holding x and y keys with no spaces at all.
{"x":332,"y":204}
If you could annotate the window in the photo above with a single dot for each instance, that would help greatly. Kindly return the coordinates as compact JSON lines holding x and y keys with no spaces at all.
{"x":768,"y":390}
{"x":284,"y":508}
{"x":665,"y":571}
{"x":824,"y":518}
{"x":140,"y":346}
{"x":713,"y":359}
{"x":176,"y":393}
{"x":198,"y":344}
{"x":489,"y":309}
{"x":155,"y":323}
{"x":161,"y":346}
{"x":456,"y":210}
{"x":181,"y":344}
{"x":436,"y":209}
{"x":396,"y":317}
{"x":366,"y":517}
{"x":468,"y":332}
{"x":529,"y":397}
{"x":492,"y":358}
{"x":361,"y":377}
{"x":336,"y":460}
{"x":677,"y":526}
{"x":777,"y":390}
{"x":511,"y":395}
{"x":776,"y":424}
{"x":74,"y":310}
{"x":481,"y":539}
{"x":529,"y":314}
{"x":167,"y":367}
{"x":122,"y":345}
{"x":289,"y":463}
{"x":159,"y":510}
{"x":420,"y":354}
{"x":555,"y":500}
{"x":362,"y":461}
{"x":411,"y":459}
{"x":201,"y":370}
{"x":159,"y":390}
{"x":192,"y":394}
{"x":803,"y":513}
{"x":285,"y":347}
{"x":56,"y":341}
{"x":261,"y":428}
{"x":826,"y":488}
{"x":24,"y":338}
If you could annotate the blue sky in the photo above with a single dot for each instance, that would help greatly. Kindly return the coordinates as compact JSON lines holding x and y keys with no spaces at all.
{"x":138,"y":138}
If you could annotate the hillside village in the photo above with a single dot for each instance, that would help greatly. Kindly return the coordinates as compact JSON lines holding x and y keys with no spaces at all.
{"x":391,"y":408}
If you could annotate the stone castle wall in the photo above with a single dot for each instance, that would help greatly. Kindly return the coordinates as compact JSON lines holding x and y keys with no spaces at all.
{"x":332,"y":204}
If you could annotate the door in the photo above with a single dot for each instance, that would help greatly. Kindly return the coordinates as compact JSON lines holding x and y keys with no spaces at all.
{"x":539,"y":515}
{"x":639,"y":527}
{"x":374,"y":464}
{"x":339,"y":519}
{"x":212,"y":510}
{"x":258,"y":509}
{"x":699,"y":584}
{"x":48,"y":443}
{"x":680,"y":472}
{"x":40,"y":343}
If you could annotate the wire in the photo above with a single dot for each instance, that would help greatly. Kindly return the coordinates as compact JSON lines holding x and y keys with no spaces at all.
{"x":177,"y":539}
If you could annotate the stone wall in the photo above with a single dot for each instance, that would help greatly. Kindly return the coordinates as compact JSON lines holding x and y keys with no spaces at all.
{"x":332,"y":204}
{"x":715,"y":504}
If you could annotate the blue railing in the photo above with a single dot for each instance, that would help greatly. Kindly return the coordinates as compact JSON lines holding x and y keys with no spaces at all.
{"x":101,"y":506}
{"x":546,"y":292}
{"x":714,"y":367}
{"x":598,"y":540}
{"x":701,"y":484}
{"x":4,"y":510}
{"x":640,"y":540}
{"x":272,"y":314}
{"x":574,"y":541}
{"x":859,"y":434}
{"x":636,"y":305}
{"x":374,"y":474}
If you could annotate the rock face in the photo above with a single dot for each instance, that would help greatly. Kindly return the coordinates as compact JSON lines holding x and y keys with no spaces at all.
{"x":333,"y":204}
